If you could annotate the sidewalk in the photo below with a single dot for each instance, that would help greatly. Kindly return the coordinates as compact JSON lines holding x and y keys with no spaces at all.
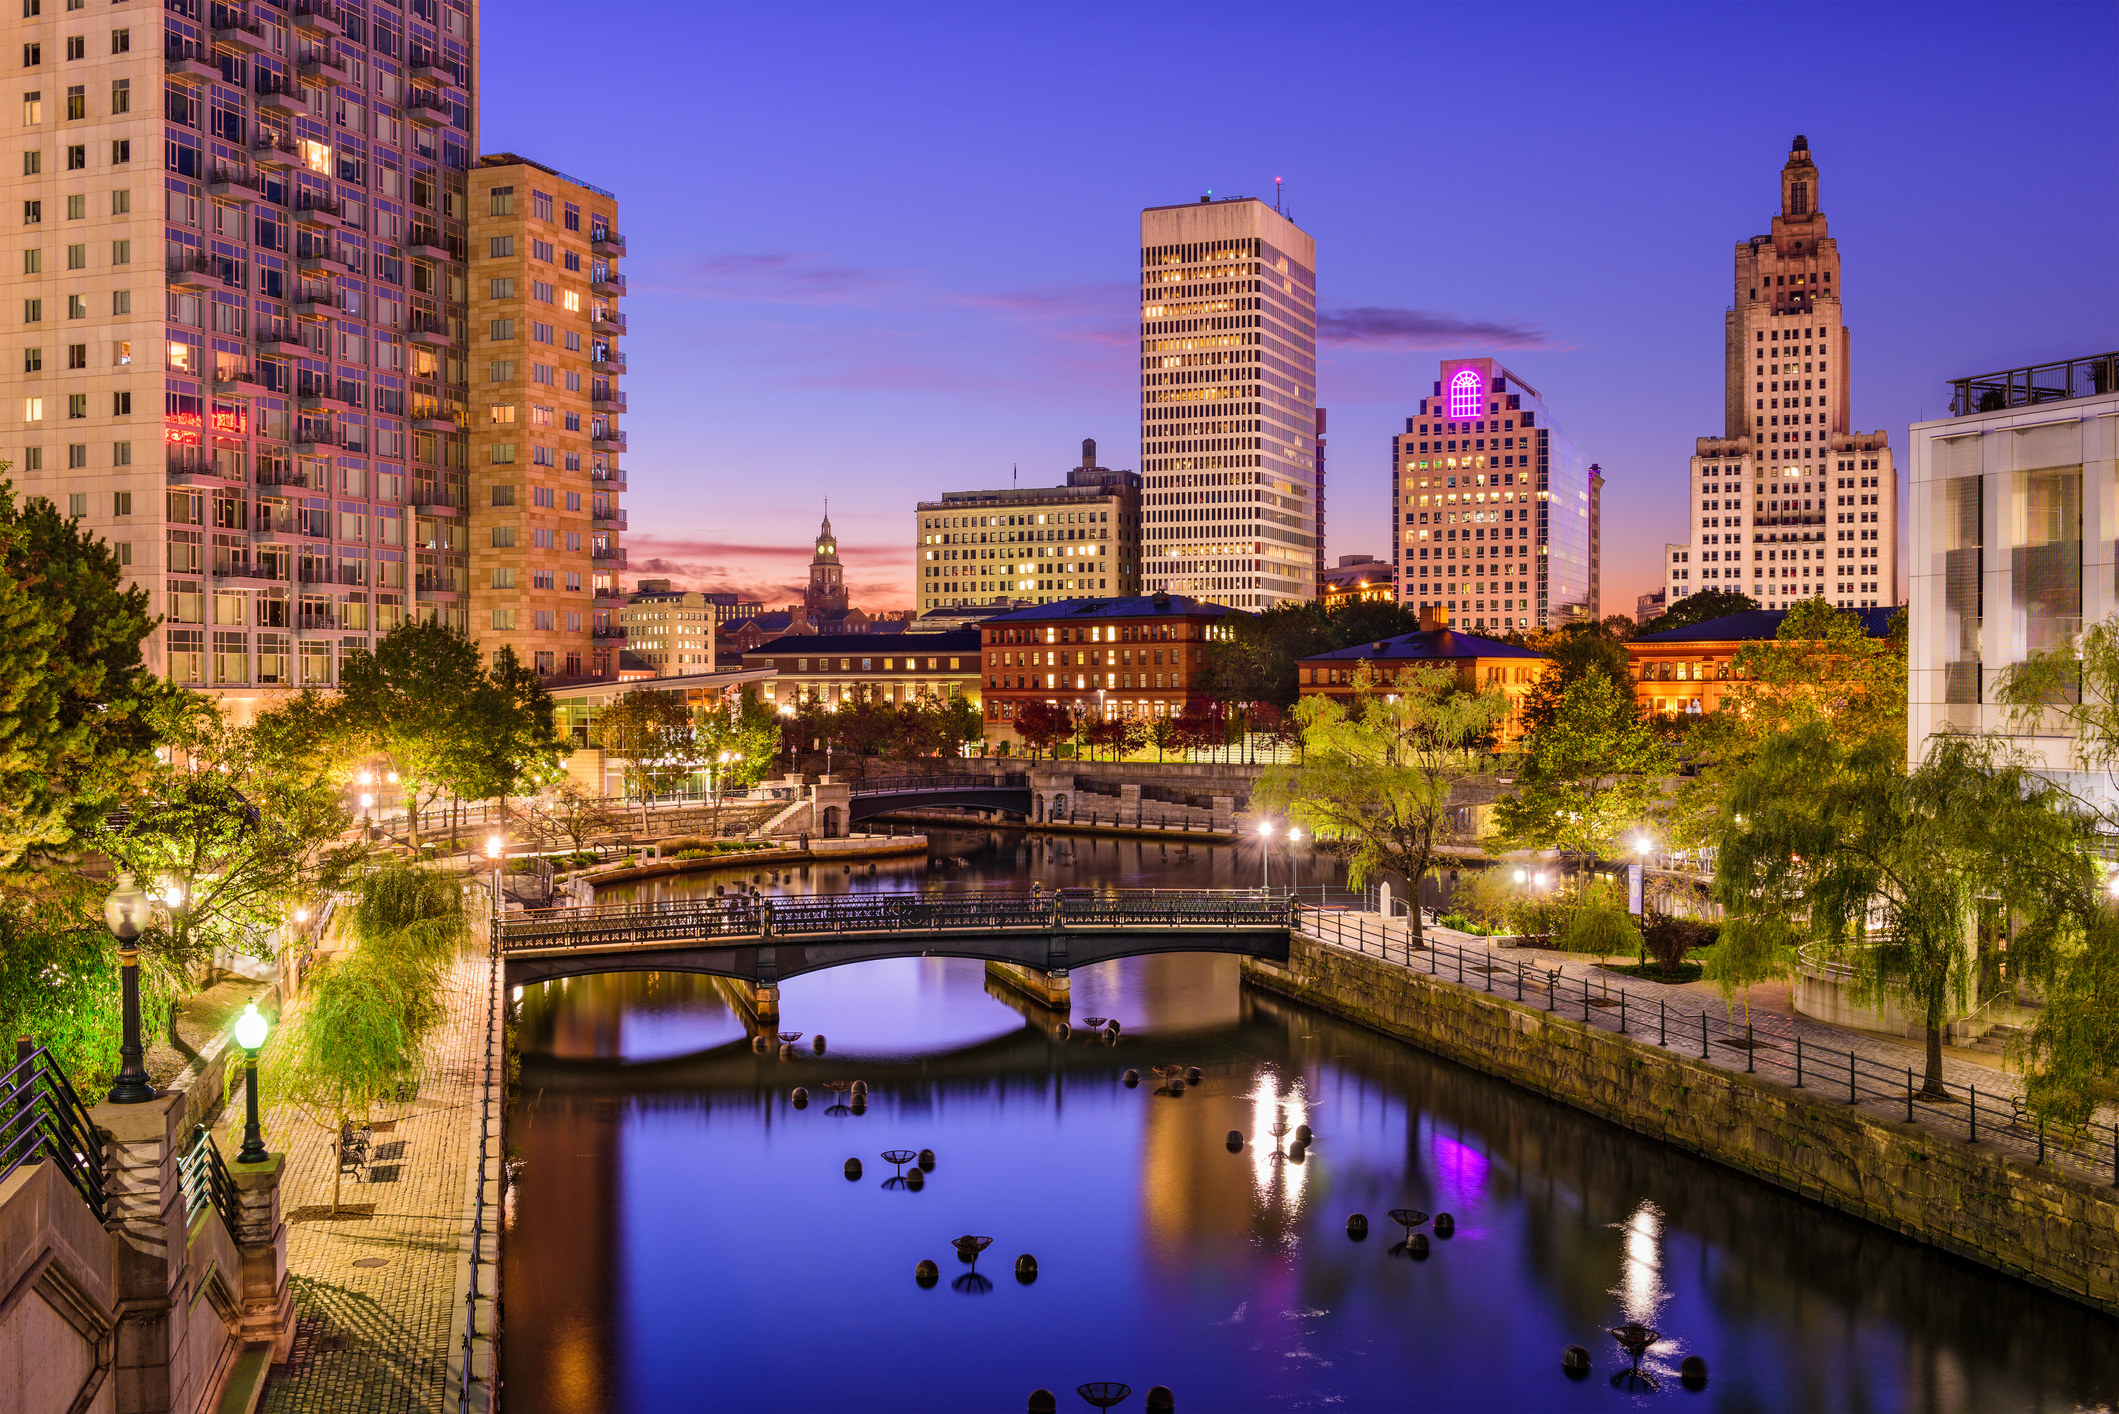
{"x":1673,"y":1015}
{"x":374,"y":1288}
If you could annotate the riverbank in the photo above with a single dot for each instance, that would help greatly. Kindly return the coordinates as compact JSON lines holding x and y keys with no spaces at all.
{"x":2037,"y":1222}
{"x":818,"y":852}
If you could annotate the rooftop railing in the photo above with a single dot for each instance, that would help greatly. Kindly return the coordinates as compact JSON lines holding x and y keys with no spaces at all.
{"x":2033,"y":385}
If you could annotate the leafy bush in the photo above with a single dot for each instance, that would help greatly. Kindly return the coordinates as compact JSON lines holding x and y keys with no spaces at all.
{"x":1600,"y":925}
{"x":1457,"y":921}
{"x":1668,"y":939}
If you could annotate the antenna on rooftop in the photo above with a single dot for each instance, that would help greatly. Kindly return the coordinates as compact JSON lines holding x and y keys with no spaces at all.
{"x":1276,"y":193}
{"x":1014,"y":470}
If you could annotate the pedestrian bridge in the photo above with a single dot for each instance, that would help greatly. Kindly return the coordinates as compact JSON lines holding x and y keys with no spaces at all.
{"x":1008,"y":792}
{"x":764,"y":941}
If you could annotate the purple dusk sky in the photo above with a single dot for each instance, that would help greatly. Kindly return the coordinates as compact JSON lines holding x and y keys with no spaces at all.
{"x":881,"y":252}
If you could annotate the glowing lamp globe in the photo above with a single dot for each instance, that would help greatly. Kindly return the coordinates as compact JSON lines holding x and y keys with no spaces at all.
{"x":250,"y":1028}
{"x":493,"y":843}
{"x":125,"y":912}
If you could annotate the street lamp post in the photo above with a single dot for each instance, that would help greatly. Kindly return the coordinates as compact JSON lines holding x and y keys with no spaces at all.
{"x":250,"y":1030}
{"x":721,"y":764}
{"x":1265,"y":854}
{"x":496,"y":853}
{"x":125,"y":912}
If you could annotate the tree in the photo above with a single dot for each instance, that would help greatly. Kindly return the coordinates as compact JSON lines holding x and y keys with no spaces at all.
{"x":513,"y":744}
{"x":746,"y":730}
{"x":1257,"y":662}
{"x":60,"y":980}
{"x":651,"y":732}
{"x":75,"y":696}
{"x":1163,"y":735}
{"x":1382,"y":772}
{"x":1042,"y":726}
{"x":231,"y":828}
{"x":574,"y":813}
{"x":1575,"y":650}
{"x":1701,"y":607}
{"x":410,"y":699}
{"x":358,"y":1036}
{"x":1588,"y":775}
{"x":1821,"y":665}
{"x":1829,"y":842}
{"x":957,"y":725}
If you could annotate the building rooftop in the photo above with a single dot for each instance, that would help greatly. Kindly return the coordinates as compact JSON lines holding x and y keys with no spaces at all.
{"x":2035,"y":384}
{"x":1435,"y":644}
{"x":1132,"y":606}
{"x":511,"y":159}
{"x":814,"y":645}
{"x":1758,"y":625}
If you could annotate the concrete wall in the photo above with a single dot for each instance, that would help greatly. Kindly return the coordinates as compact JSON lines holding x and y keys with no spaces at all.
{"x":57,"y":1302}
{"x":2038,"y":1223}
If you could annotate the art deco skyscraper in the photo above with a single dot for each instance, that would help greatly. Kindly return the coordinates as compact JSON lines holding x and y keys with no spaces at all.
{"x":1228,"y":403}
{"x":243,"y":364}
{"x":1790,"y":502}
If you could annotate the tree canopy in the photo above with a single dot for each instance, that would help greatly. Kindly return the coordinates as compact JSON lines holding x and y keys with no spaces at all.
{"x":1700,"y":607}
{"x":410,"y":699}
{"x":1257,"y":662}
{"x":1590,"y":774}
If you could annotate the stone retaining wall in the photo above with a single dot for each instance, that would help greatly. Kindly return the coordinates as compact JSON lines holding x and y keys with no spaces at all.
{"x":2040,"y":1223}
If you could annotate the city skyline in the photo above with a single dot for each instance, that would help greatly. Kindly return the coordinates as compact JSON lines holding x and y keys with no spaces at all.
{"x":923,"y":348}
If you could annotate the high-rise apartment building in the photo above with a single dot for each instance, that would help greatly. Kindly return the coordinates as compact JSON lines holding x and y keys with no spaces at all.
{"x":1790,"y":502}
{"x":243,"y":366}
{"x":1033,"y":544}
{"x":1496,"y":517}
{"x":1228,"y":403}
{"x":668,"y":631}
{"x":544,"y":521}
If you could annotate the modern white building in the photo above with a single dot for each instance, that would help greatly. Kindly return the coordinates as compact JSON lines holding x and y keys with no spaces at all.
{"x":1790,"y":502}
{"x":1231,"y":503}
{"x":2014,"y":514}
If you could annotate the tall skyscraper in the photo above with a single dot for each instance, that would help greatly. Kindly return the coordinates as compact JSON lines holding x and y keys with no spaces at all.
{"x":544,"y":519}
{"x":1228,"y":403}
{"x":1496,"y":517}
{"x":276,"y":309}
{"x":1821,"y":498}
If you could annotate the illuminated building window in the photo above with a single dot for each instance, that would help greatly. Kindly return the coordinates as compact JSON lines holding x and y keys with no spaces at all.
{"x":1465,"y":392}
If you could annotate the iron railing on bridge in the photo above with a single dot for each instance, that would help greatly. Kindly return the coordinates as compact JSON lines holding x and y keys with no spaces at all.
{"x":1769,"y":1046}
{"x":43,"y":1120}
{"x":890,"y":785}
{"x":745,"y":915}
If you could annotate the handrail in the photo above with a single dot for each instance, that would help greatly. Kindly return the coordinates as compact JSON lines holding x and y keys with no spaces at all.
{"x":1771,"y":1046}
{"x":204,"y":1178}
{"x":42,"y":1118}
{"x":485,"y":1124}
{"x":885,"y":785}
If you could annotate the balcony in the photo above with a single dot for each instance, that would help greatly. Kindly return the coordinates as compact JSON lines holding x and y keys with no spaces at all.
{"x":187,"y":61}
{"x":607,"y":324}
{"x":274,"y":154}
{"x":426,"y":243}
{"x":239,"y":183}
{"x":609,"y":400}
{"x":433,"y":68}
{"x":323,"y":68}
{"x":191,"y":272}
{"x":608,"y":631}
{"x":611,"y":362}
{"x":234,"y":31}
{"x":282,"y":340}
{"x":427,"y":109}
{"x":609,"y":518}
{"x":317,"y":212}
{"x":432,"y":332}
{"x":2039,"y":383}
{"x":319,"y":267}
{"x":317,"y":20}
{"x":612,"y":555}
{"x":244,"y":571}
{"x":610,"y":286}
{"x":314,"y":304}
{"x":321,"y":398}
{"x":235,"y":380}
{"x":316,"y":444}
{"x":606,"y":243}
{"x":609,"y":478}
{"x":611,"y":441}
{"x":441,"y":423}
{"x":277,"y":95}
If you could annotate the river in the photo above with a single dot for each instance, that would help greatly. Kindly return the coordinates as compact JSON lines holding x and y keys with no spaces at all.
{"x":681,"y":1237}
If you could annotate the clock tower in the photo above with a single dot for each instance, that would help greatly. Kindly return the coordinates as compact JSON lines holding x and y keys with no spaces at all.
{"x":827,"y":587}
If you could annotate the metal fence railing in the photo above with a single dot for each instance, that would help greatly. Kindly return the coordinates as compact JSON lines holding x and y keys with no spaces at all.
{"x":1769,"y":1046}
{"x":479,"y":1209}
{"x":205,"y":1181}
{"x":42,"y":1120}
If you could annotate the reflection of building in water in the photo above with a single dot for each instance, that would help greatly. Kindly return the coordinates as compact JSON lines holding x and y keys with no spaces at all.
{"x":623,"y":1015}
{"x":1163,"y":992}
{"x":564,"y":1282}
{"x":1195,"y":1194}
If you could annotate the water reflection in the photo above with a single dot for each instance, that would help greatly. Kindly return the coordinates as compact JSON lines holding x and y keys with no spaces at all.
{"x":681,"y":1238}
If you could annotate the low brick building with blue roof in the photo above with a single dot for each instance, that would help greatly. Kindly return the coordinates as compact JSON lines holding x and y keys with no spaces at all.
{"x":1477,"y":662}
{"x":1691,"y":669}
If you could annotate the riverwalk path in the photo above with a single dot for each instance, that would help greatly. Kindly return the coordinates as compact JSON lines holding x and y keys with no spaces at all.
{"x":1694,"y":1018}
{"x":375,"y":1288}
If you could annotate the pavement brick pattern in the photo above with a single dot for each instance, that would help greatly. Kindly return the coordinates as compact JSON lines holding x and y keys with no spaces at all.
{"x":374,"y":1289}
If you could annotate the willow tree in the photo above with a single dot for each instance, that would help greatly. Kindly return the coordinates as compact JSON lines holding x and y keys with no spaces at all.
{"x":1830,"y":843}
{"x":1383,"y":771}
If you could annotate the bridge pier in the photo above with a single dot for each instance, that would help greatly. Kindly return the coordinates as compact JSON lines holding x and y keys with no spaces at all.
{"x":1052,"y":990}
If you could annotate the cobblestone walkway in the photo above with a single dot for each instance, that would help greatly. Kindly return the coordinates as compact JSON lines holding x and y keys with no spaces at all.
{"x":374,"y":1288}
{"x":1673,"y":1016}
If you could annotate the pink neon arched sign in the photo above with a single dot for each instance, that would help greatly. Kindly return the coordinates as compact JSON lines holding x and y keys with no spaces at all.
{"x":1466,"y":393}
